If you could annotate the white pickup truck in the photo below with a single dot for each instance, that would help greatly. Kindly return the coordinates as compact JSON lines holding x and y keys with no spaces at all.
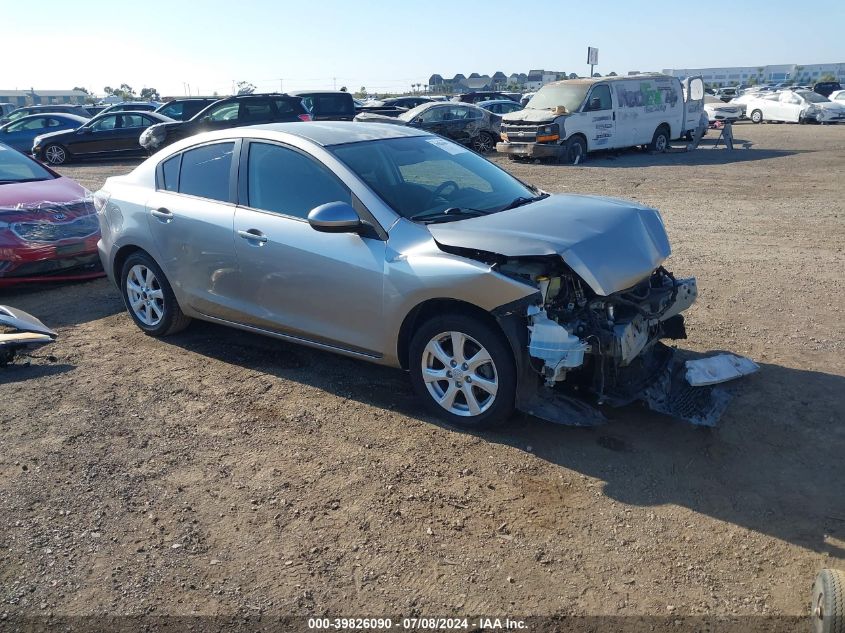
{"x":566,"y":119}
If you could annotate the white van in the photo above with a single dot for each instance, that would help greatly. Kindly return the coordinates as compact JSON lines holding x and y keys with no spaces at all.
{"x":566,"y":119}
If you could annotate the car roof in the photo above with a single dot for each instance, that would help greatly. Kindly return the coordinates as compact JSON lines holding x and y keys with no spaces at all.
{"x":300,"y":93}
{"x":328,"y":133}
{"x":491,"y":101}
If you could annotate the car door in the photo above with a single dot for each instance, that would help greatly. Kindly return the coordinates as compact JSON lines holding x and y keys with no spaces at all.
{"x":789,"y":106}
{"x":322,"y":287}
{"x":219,"y":116}
{"x":96,"y":136}
{"x":434,"y":119}
{"x":190,"y":217}
{"x":20,"y":134}
{"x":126,"y":133}
{"x":459,"y":124}
{"x":255,"y":111}
{"x":601,"y":121}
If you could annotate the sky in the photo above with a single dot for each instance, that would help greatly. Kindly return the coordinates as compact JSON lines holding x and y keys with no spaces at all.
{"x":206,"y":46}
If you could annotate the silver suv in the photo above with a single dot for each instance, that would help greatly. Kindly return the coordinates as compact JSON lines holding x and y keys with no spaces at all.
{"x":400,"y":247}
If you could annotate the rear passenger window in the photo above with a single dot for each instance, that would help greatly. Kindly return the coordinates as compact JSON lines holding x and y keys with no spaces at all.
{"x":170,"y":173}
{"x":284,"y":181}
{"x":206,"y":171}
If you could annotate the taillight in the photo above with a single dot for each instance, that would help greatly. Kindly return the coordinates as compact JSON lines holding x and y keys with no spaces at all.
{"x":304,"y":117}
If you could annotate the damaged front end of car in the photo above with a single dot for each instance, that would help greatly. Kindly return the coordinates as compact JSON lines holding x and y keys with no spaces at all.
{"x":578,"y":350}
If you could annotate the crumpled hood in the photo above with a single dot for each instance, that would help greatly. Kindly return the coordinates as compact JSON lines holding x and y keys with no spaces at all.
{"x":531,"y":116}
{"x":611,"y":244}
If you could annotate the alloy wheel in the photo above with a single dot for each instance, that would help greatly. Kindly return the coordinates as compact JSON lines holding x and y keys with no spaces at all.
{"x":55,"y":155}
{"x":459,"y":374}
{"x":146,"y":298}
{"x":483,"y":144}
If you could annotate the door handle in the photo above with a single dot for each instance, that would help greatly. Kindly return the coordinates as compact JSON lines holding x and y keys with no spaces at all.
{"x":253,"y":234}
{"x":162,"y":214}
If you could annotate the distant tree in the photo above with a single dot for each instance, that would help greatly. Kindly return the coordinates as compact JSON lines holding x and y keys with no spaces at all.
{"x":343,"y":89}
{"x":362,"y":92}
{"x":752,"y":81}
{"x":127,"y":90}
{"x":85,"y":90}
{"x":244,"y":88}
{"x":573,"y":76}
{"x":596,"y":74}
{"x":612,"y":74}
{"x":151,"y":94}
{"x":827,"y":77}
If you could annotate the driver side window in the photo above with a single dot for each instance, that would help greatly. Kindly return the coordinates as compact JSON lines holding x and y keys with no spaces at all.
{"x":599,"y":99}
{"x":224,"y":112}
{"x":433,"y":115}
{"x":106,"y":123}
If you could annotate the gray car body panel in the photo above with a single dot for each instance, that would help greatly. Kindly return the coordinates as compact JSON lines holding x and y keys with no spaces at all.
{"x":611,"y":244}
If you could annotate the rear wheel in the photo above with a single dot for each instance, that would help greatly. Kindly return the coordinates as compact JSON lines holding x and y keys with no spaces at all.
{"x":149,"y":297}
{"x":463,"y":370}
{"x":484,"y":143}
{"x":660,"y":140}
{"x":55,"y":154}
{"x":756,"y":116}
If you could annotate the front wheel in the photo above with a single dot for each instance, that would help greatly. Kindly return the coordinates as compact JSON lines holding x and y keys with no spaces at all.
{"x":484,"y":143}
{"x":55,"y":154}
{"x":575,"y":150}
{"x":757,"y":116}
{"x":464,"y":371}
{"x":149,"y":297}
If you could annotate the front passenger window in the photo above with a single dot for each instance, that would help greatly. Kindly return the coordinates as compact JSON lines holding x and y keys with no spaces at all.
{"x":285,"y":181}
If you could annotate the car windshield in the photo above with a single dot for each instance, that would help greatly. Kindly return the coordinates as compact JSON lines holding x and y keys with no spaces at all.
{"x":428,"y":178}
{"x":813,"y":97}
{"x":15,"y":167}
{"x":568,"y":95}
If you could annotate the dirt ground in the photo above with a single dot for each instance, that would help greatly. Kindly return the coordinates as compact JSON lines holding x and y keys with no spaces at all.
{"x":219,"y":472}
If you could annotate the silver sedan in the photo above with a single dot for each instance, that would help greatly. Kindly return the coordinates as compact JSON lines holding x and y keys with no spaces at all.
{"x":400,"y":247}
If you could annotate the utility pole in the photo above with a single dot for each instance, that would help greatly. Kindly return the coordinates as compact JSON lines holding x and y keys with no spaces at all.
{"x":334,"y":83}
{"x":281,"y":85}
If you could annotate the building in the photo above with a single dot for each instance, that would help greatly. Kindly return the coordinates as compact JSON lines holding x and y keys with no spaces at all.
{"x":41,"y":97}
{"x":750,"y":75}
{"x":497,"y":81}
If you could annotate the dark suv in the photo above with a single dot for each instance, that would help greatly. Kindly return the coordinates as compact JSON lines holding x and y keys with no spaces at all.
{"x":184,"y":109}
{"x":824,"y":88}
{"x":487,"y":95}
{"x":327,"y":105}
{"x":227,"y":113}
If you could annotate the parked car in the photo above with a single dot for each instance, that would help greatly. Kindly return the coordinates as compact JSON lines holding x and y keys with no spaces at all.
{"x":20,"y":133}
{"x":718,"y":110}
{"x":43,"y":109}
{"x":392,"y":245}
{"x":106,"y":135}
{"x":6,"y":108}
{"x":726,"y":94}
{"x":327,"y":105}
{"x":742,"y":100}
{"x":183,"y":109}
{"x":837,"y":96}
{"x":225,"y":113}
{"x":795,"y":106}
{"x":500,"y":106}
{"x":94,"y":110}
{"x":566,"y":119}
{"x":48,"y":226}
{"x":406,"y":102}
{"x":475,"y":97}
{"x":131,"y":106}
{"x":824,"y":88}
{"x":462,"y":122}
{"x":526,"y":98}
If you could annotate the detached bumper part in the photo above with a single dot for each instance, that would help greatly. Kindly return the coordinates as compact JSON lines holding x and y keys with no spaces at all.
{"x":531,"y":150}
{"x":26,"y":333}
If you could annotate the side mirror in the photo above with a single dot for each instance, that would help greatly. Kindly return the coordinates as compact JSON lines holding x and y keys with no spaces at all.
{"x":84,"y":130}
{"x":335,"y":217}
{"x":595,"y":103}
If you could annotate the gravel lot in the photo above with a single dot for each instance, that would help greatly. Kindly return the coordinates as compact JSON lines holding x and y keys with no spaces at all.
{"x":218,"y":472}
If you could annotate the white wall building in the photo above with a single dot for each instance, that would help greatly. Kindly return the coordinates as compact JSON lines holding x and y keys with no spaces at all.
{"x":777,"y":73}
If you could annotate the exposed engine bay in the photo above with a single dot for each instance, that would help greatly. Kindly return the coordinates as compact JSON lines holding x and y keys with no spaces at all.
{"x":609,"y":347}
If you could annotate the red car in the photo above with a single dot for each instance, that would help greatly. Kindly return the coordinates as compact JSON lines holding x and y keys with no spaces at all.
{"x":48,"y":224}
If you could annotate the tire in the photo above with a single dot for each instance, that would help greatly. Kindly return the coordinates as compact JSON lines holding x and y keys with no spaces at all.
{"x":484,"y":143}
{"x":575,"y":151}
{"x":55,"y":154}
{"x":828,"y":602}
{"x":433,"y":348}
{"x":756,"y":116}
{"x":148,"y":297}
{"x":660,"y":140}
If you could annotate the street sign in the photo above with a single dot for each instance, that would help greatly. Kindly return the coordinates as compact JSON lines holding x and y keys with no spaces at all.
{"x":592,"y":56}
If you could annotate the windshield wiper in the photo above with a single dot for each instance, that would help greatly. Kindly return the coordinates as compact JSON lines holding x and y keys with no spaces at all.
{"x":448,"y":214}
{"x":522,"y":200}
